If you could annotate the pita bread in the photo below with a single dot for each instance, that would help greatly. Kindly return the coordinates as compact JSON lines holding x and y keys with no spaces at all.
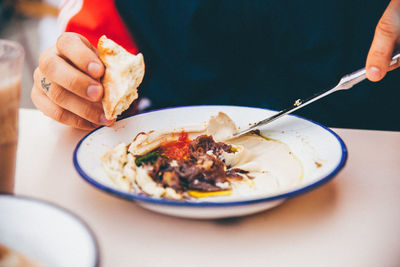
{"x":123,"y":74}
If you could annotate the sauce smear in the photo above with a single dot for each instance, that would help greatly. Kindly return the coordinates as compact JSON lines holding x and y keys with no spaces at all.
{"x":177,"y":150}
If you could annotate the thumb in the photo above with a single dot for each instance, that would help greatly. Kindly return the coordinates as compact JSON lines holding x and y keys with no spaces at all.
{"x":386,"y":34}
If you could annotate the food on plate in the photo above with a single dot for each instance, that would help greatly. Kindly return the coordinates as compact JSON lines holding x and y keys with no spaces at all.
{"x":203,"y":162}
{"x":12,"y":258}
{"x":123,"y":74}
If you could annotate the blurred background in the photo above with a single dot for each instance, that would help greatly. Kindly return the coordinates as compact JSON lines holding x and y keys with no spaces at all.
{"x":313,"y":44}
{"x":33,"y":24}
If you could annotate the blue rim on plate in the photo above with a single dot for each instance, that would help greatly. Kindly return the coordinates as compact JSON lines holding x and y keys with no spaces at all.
{"x":161,"y":201}
{"x":69,"y":213}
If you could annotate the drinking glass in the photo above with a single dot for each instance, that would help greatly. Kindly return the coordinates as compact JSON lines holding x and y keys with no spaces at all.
{"x":11,"y":62}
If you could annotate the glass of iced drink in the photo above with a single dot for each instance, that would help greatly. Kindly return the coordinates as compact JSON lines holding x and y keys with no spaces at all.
{"x":11,"y":61}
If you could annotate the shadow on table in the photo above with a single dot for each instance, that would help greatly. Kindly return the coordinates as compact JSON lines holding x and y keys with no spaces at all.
{"x":315,"y":205}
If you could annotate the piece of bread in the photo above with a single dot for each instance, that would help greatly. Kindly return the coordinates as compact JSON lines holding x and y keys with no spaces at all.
{"x":123,"y":74}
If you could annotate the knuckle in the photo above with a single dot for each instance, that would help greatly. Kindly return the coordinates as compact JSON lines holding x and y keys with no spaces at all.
{"x":64,"y":40}
{"x":61,"y":38}
{"x":386,"y":28}
{"x":42,"y":57}
{"x":57,"y":95}
{"x":46,"y":63}
{"x":36,"y":74}
{"x":73,"y":83}
{"x":59,"y":114}
{"x":84,"y":56}
{"x":378,"y":53}
{"x":34,"y":96}
{"x":91,"y":113}
{"x":82,"y":124}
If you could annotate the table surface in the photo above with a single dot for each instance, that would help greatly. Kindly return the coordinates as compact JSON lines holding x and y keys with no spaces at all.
{"x":354,"y":220}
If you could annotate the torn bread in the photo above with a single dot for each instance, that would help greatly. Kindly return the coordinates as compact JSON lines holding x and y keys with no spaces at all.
{"x":123,"y":74}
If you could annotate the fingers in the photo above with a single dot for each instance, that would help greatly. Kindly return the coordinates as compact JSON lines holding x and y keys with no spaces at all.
{"x":43,"y":103}
{"x":81,"y":53}
{"x":92,"y":112}
{"x":66,"y":86}
{"x":386,"y":35}
{"x":67,"y":76}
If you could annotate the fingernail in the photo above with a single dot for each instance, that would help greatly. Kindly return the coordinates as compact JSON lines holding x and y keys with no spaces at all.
{"x":375,"y":74}
{"x":94,"y":69}
{"x":104,"y":121}
{"x":94,"y":92}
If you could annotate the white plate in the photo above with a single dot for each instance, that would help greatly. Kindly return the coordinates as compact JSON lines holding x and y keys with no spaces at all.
{"x":312,"y":143}
{"x":45,"y":233}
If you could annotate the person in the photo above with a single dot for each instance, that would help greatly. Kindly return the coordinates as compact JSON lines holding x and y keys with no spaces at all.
{"x":249,"y":53}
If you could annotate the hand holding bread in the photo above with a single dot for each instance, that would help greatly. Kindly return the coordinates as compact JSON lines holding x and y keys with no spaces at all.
{"x":68,"y":84}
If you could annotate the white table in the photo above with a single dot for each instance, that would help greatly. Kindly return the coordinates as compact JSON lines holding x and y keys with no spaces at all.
{"x":352,"y":221}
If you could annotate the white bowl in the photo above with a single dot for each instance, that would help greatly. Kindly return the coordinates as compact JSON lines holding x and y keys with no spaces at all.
{"x":311,"y":142}
{"x":45,"y":233}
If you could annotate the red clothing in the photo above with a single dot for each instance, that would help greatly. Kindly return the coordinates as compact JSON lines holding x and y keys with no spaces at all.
{"x":92,"y":19}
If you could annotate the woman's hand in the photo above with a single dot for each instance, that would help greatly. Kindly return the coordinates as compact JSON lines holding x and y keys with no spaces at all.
{"x":387,"y":34}
{"x":66,"y":83}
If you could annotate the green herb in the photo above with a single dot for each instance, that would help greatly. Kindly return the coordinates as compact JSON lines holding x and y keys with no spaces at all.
{"x":151,"y":157}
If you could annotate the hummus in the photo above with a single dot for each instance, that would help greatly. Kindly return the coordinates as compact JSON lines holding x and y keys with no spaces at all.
{"x":205,"y":163}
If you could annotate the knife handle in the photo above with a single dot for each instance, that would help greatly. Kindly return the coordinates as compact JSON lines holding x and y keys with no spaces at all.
{"x":353,"y":78}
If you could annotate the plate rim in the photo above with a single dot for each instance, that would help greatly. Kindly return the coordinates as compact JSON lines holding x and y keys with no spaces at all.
{"x":162,"y":201}
{"x":75,"y":217}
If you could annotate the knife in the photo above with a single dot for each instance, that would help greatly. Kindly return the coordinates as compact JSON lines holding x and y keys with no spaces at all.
{"x":345,"y":83}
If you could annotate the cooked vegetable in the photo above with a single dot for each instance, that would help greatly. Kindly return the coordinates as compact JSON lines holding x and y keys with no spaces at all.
{"x":150,"y":157}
